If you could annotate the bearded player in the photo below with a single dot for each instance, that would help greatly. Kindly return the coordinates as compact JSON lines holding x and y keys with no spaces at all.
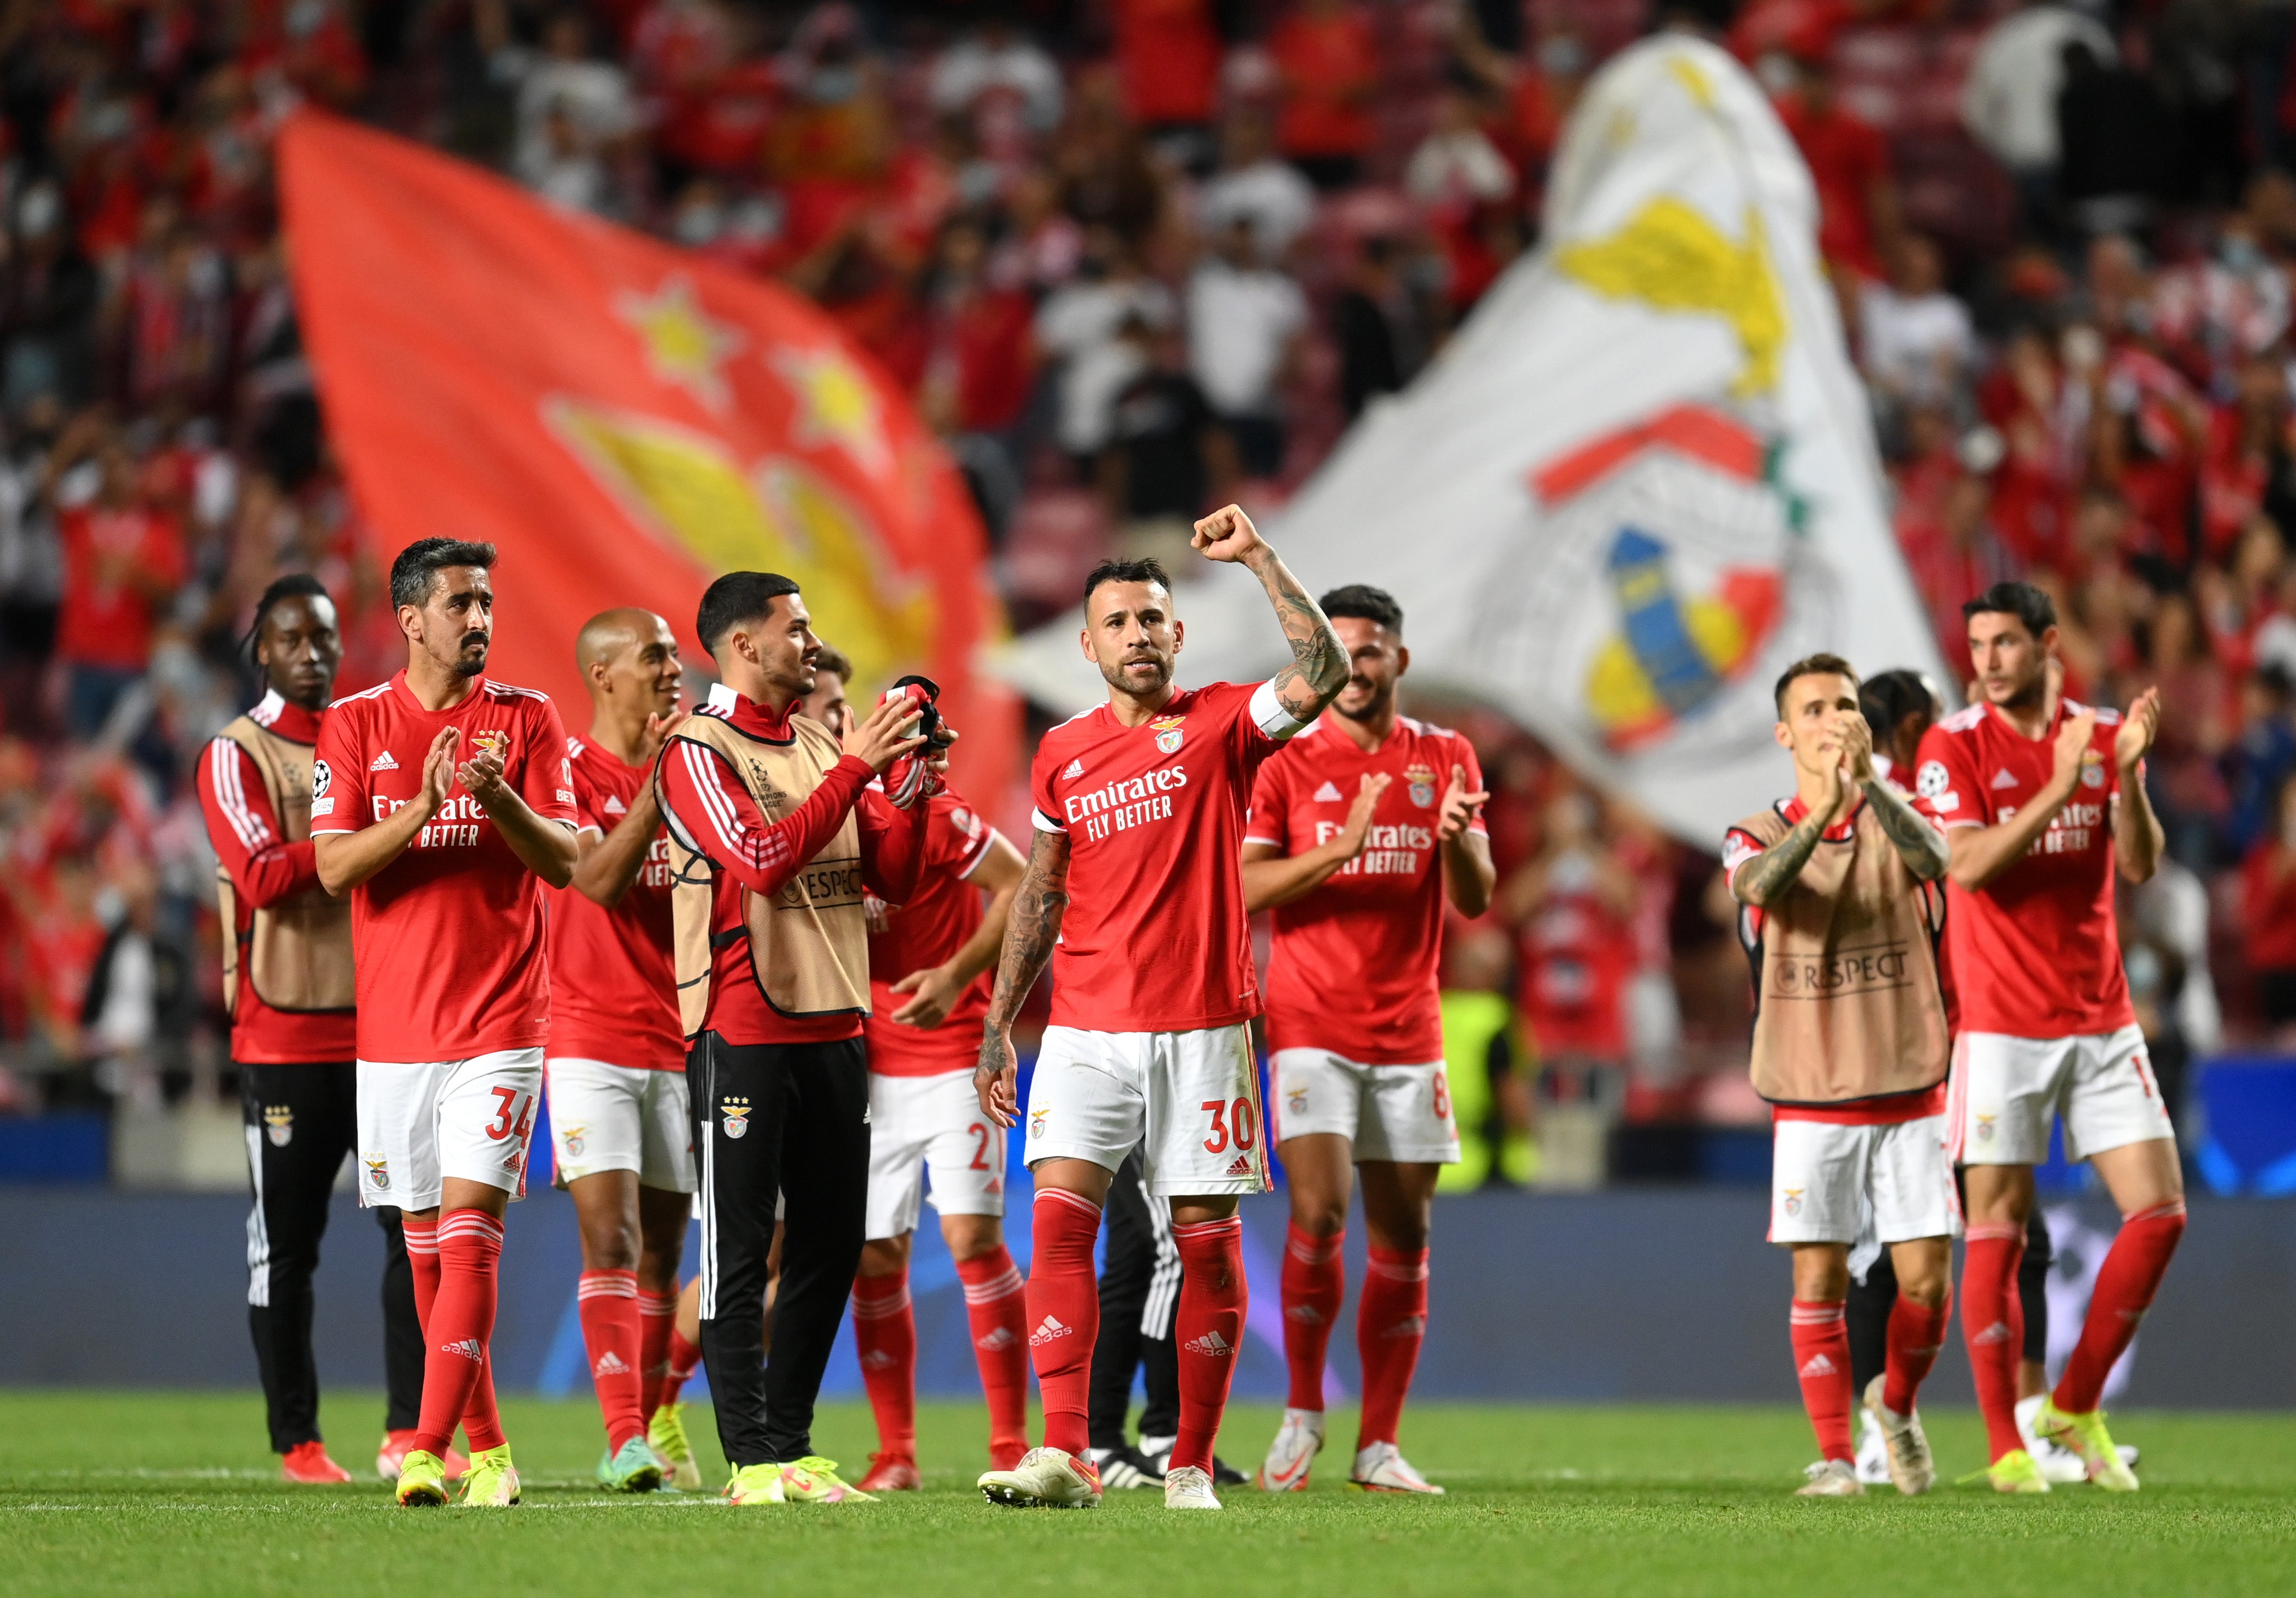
{"x":1134,"y":872}
{"x":1360,"y":832}
{"x":2041,"y":799}
{"x":445,"y":864}
{"x":616,"y":1072}
{"x":929,"y":961}
{"x":1850,"y":1047}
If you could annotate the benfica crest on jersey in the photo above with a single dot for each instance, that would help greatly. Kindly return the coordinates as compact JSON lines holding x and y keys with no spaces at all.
{"x":1422,"y":779}
{"x":279,"y":1124}
{"x":1167,"y":729}
{"x":736,"y":1114}
{"x":491,"y":741}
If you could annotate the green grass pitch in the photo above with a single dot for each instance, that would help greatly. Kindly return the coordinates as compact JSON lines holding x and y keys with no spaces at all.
{"x":162,"y":1493}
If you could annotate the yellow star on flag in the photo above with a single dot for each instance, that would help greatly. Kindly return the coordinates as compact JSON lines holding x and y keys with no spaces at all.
{"x":836,"y":405}
{"x":684,"y":345}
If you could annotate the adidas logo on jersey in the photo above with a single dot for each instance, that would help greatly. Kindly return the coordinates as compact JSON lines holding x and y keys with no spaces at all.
{"x":1818,"y":1365}
{"x":1211,"y":1344}
{"x":1075,"y":769}
{"x":1328,"y":794}
{"x":2002,"y":778}
{"x":610,"y":1363}
{"x":382,"y":762}
{"x":614,"y":805}
{"x":470,"y":1348}
{"x":997,"y":1340}
{"x":1240,"y":1165}
{"x":1047,"y":1330}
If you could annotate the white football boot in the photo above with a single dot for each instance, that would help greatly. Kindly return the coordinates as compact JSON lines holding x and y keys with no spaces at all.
{"x":1044,"y":1479}
{"x":1296,"y":1443}
{"x":1189,"y":1488}
{"x":1872,"y":1453}
{"x":1908,"y":1448}
{"x":1831,"y":1479}
{"x":1382,"y":1468}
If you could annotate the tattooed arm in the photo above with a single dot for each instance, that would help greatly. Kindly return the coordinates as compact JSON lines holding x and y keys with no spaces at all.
{"x":1319,"y":666}
{"x":1771,"y":872}
{"x":1031,"y":930}
{"x":1920,"y":846}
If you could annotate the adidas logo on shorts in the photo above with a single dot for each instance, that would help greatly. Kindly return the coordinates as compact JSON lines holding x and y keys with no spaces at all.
{"x":1240,"y":1165}
{"x":1819,"y":1365}
{"x":1211,"y":1344}
{"x":610,"y":1363}
{"x":1047,"y":1330}
{"x":382,"y":762}
{"x":470,"y":1348}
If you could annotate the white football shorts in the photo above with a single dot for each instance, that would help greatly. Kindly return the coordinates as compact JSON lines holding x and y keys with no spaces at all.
{"x":2006,"y":1089}
{"x":1193,"y":1097}
{"x":1387,"y":1112}
{"x":1823,"y":1177}
{"x":931,"y":1124}
{"x":424,"y":1122}
{"x":619,"y":1118}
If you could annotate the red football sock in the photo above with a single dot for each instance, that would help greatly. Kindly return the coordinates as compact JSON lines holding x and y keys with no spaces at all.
{"x":1064,"y":1313}
{"x":657,"y":1319}
{"x":2125,"y":1285}
{"x":1993,"y":1323}
{"x":995,"y":1302}
{"x":1915,"y":1335}
{"x":1821,"y":1348}
{"x":423,"y":1255}
{"x":1208,"y":1327}
{"x":462,"y":1319}
{"x":1390,"y":1323}
{"x":885,"y":1336}
{"x":607,"y":1304}
{"x":684,"y":1359}
{"x":1315,"y":1280}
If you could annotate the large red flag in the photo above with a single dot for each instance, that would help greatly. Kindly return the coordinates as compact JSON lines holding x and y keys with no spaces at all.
{"x":624,"y":421}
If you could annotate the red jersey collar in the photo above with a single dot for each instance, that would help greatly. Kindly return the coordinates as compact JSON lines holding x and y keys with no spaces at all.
{"x":2065,"y":710}
{"x":746,"y":715}
{"x":277,"y":713}
{"x":406,"y":695}
{"x":1796,"y":812}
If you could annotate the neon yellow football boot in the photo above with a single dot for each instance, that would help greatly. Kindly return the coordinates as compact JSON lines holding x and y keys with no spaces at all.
{"x":667,"y":1433}
{"x":2085,"y":1436}
{"x":421,"y":1480}
{"x":491,"y":1482}
{"x":814,"y":1479}
{"x":756,"y":1484}
{"x":2013,"y":1472}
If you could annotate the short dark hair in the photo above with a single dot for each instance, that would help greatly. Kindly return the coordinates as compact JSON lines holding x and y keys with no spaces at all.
{"x":2026,"y":603}
{"x":1364,"y":604}
{"x":832,"y":659}
{"x":737,"y":597}
{"x":1125,"y":571}
{"x":416,"y":570}
{"x":1887,"y":698}
{"x":295,"y":584}
{"x":1811,"y":665}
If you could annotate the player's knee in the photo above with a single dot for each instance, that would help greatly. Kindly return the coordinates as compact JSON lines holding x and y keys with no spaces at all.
{"x":610,"y":1245}
{"x":1926,"y":1289}
{"x":1319,"y":1218}
{"x":885,"y":1255}
{"x":969,"y":1236}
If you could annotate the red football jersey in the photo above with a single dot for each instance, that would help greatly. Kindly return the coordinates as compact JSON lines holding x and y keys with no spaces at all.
{"x":613,"y":988}
{"x":1155,"y":939}
{"x":936,"y":921}
{"x":2035,"y":953}
{"x":243,"y":826}
{"x":449,"y":936}
{"x":1354,"y":965}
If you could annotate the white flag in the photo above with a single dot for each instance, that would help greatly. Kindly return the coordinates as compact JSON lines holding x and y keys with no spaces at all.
{"x":1640,"y":481}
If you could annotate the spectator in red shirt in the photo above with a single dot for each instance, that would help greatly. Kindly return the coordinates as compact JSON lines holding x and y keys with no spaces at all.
{"x":123,"y":561}
{"x":980,"y":365}
{"x":1328,"y":58}
{"x":1856,"y":196}
{"x":2267,"y":883}
{"x":1167,"y":52}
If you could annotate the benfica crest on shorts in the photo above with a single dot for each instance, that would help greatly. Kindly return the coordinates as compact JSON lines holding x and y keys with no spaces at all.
{"x":1793,"y":1200}
{"x":378,"y":1172}
{"x":572,"y":1138}
{"x":1167,"y":729}
{"x":1422,"y":779}
{"x":736,"y":1114}
{"x":279,"y":1124}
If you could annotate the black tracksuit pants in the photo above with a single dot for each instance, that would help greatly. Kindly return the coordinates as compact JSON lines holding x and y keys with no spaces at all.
{"x":789,"y":1120}
{"x":302,"y":1122}
{"x":1139,"y":1290}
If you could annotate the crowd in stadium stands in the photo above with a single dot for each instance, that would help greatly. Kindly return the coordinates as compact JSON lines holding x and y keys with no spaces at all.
{"x":1135,"y":257}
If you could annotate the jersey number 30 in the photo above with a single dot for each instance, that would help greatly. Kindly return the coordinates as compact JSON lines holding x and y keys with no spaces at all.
{"x":1238,"y":1122}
